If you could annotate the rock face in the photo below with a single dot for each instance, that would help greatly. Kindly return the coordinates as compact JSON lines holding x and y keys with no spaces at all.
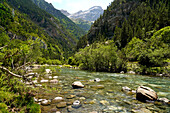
{"x":145,"y":93}
{"x":77,"y":84}
{"x":91,"y":14}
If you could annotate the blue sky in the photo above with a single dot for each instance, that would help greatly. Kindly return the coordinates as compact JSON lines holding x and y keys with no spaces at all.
{"x":73,"y":6}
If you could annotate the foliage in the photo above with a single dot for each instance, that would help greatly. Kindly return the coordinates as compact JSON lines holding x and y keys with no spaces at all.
{"x":3,"y":108}
{"x":34,"y":108}
{"x":101,"y":57}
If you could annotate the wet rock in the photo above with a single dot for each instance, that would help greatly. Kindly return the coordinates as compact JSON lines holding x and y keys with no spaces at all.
{"x":61,"y":105}
{"x":122,"y":72}
{"x":145,"y":93}
{"x":76,"y":104}
{"x":55,"y":77}
{"x":54,"y":81}
{"x":48,"y":71}
{"x":126,"y":89}
{"x":57,"y":99}
{"x":45,"y":102}
{"x":90,"y":102}
{"x":104,"y":102}
{"x":97,"y":79}
{"x":131,"y":72}
{"x":164,"y":100}
{"x":35,"y":81}
{"x":77,"y":84}
{"x":44,"y":81}
{"x":82,"y":98}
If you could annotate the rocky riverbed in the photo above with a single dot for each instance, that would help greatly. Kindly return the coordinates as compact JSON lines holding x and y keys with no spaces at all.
{"x":99,"y":92}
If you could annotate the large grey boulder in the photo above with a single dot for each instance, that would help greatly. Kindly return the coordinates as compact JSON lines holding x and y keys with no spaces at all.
{"x":145,"y":93}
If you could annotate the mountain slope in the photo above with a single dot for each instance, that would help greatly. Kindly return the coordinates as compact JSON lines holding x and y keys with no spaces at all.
{"x":55,"y":35}
{"x":89,"y":15}
{"x":84,"y":24}
{"x":125,"y":19}
{"x":64,"y":20}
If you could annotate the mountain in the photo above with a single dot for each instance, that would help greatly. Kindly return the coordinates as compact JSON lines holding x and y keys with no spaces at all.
{"x":125,"y":19}
{"x":31,"y":20}
{"x":89,"y":15}
{"x":64,"y":20}
{"x":65,"y":12}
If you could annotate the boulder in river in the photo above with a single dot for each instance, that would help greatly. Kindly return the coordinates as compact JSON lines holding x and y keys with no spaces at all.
{"x":126,"y":89}
{"x":164,"y":100}
{"x":76,"y":104}
{"x":77,"y":84}
{"x":57,"y":99}
{"x":145,"y":93}
{"x":45,"y":102}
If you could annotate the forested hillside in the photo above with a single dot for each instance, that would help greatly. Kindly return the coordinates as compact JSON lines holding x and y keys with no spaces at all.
{"x":57,"y":38}
{"x":139,"y":32}
{"x":76,"y":31}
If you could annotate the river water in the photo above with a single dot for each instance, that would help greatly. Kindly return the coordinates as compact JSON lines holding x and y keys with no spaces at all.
{"x":105,"y":96}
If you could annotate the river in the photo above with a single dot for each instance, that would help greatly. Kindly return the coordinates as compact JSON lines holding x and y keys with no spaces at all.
{"x":105,"y":96}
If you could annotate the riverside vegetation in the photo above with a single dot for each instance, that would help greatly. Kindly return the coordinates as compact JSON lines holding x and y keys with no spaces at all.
{"x":134,"y":38}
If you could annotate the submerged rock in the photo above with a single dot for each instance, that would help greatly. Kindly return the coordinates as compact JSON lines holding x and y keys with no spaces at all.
{"x":97,"y":79}
{"x":77,"y":84}
{"x":98,"y":86}
{"x":61,"y":105}
{"x":145,"y":93}
{"x":104,"y":102}
{"x":142,"y":110}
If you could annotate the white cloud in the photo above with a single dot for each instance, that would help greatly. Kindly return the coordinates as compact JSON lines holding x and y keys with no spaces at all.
{"x":53,"y":1}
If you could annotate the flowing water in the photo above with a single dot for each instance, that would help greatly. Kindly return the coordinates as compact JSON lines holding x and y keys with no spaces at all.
{"x":105,"y":96}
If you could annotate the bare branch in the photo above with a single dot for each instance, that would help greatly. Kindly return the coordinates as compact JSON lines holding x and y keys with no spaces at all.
{"x":28,"y":63}
{"x":9,"y":72}
{"x":3,"y":47}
